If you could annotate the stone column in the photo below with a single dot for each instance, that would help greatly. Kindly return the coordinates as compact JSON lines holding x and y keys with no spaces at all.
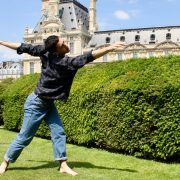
{"x":92,"y":17}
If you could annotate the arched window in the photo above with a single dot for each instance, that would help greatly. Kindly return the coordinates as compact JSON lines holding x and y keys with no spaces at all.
{"x":152,"y":37}
{"x":137,"y":38}
{"x":122,"y":38}
{"x":108,"y":39}
{"x":168,"y":36}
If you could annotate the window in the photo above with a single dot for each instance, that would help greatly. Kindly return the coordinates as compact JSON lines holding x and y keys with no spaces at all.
{"x":135,"y":55}
{"x":105,"y":58}
{"x":61,"y":12}
{"x":119,"y":56}
{"x":152,"y":37}
{"x":151,"y":54}
{"x":71,"y":47}
{"x":108,"y":39}
{"x":122,"y":38}
{"x":166,"y":53}
{"x":137,"y":38}
{"x":168,"y":36}
{"x":93,"y":45}
{"x":31,"y":67}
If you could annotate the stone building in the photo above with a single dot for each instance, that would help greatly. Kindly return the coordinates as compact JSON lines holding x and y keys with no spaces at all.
{"x":66,"y":18}
{"x":141,"y":42}
{"x":74,"y":22}
{"x":10,"y":69}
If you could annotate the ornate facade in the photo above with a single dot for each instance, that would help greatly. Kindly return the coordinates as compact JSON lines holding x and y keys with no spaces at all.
{"x":141,"y":42}
{"x":72,"y":21}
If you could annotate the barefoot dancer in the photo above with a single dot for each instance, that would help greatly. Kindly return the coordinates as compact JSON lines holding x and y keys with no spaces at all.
{"x":55,"y":82}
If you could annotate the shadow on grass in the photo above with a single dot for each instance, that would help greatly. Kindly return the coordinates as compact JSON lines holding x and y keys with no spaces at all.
{"x":48,"y":164}
{"x":90,"y":165}
{"x":4,"y":143}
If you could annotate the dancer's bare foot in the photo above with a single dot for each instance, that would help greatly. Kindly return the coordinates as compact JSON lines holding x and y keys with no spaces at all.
{"x":64,"y":168}
{"x":3,"y":167}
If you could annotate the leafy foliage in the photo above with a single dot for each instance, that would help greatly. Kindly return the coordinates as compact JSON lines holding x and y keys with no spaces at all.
{"x":3,"y":85}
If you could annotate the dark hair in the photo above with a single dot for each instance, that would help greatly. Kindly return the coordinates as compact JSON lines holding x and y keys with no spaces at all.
{"x":50,"y":43}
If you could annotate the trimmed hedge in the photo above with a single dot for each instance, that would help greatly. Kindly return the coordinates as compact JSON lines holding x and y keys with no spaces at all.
{"x":130,"y":106}
{"x":3,"y":85}
{"x":14,"y":98}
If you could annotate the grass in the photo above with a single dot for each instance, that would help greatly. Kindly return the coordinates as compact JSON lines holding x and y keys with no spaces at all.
{"x":36,"y":162}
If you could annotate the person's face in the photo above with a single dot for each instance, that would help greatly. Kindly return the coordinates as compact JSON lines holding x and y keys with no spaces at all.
{"x":62,"y":47}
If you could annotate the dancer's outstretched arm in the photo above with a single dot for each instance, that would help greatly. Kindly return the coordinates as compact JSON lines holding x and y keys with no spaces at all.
{"x":34,"y":50}
{"x":100,"y":52}
{"x":11,"y":45}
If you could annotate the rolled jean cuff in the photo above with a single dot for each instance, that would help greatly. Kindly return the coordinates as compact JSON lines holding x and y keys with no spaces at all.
{"x":61,"y":159}
{"x":8,"y":159}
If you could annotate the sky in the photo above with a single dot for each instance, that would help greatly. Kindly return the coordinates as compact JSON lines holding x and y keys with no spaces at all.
{"x":15,"y":15}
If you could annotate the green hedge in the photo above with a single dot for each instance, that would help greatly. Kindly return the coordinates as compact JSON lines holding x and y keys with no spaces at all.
{"x":3,"y":86}
{"x":14,"y":98}
{"x":130,"y":106}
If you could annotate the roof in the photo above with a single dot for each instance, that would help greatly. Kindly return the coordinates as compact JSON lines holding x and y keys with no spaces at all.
{"x":75,"y":2}
{"x":136,"y":29}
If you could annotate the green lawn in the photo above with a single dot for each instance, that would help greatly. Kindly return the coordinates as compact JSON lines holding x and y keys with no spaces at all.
{"x":36,"y":163}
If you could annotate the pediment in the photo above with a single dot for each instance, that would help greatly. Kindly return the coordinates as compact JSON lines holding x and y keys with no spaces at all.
{"x":167,"y":44}
{"x":135,"y":46}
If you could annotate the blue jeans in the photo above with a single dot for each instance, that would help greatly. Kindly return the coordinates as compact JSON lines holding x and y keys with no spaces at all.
{"x":36,"y":110}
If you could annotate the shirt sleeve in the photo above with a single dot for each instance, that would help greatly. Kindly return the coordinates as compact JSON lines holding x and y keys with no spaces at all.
{"x":37,"y":50}
{"x":78,"y":61}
